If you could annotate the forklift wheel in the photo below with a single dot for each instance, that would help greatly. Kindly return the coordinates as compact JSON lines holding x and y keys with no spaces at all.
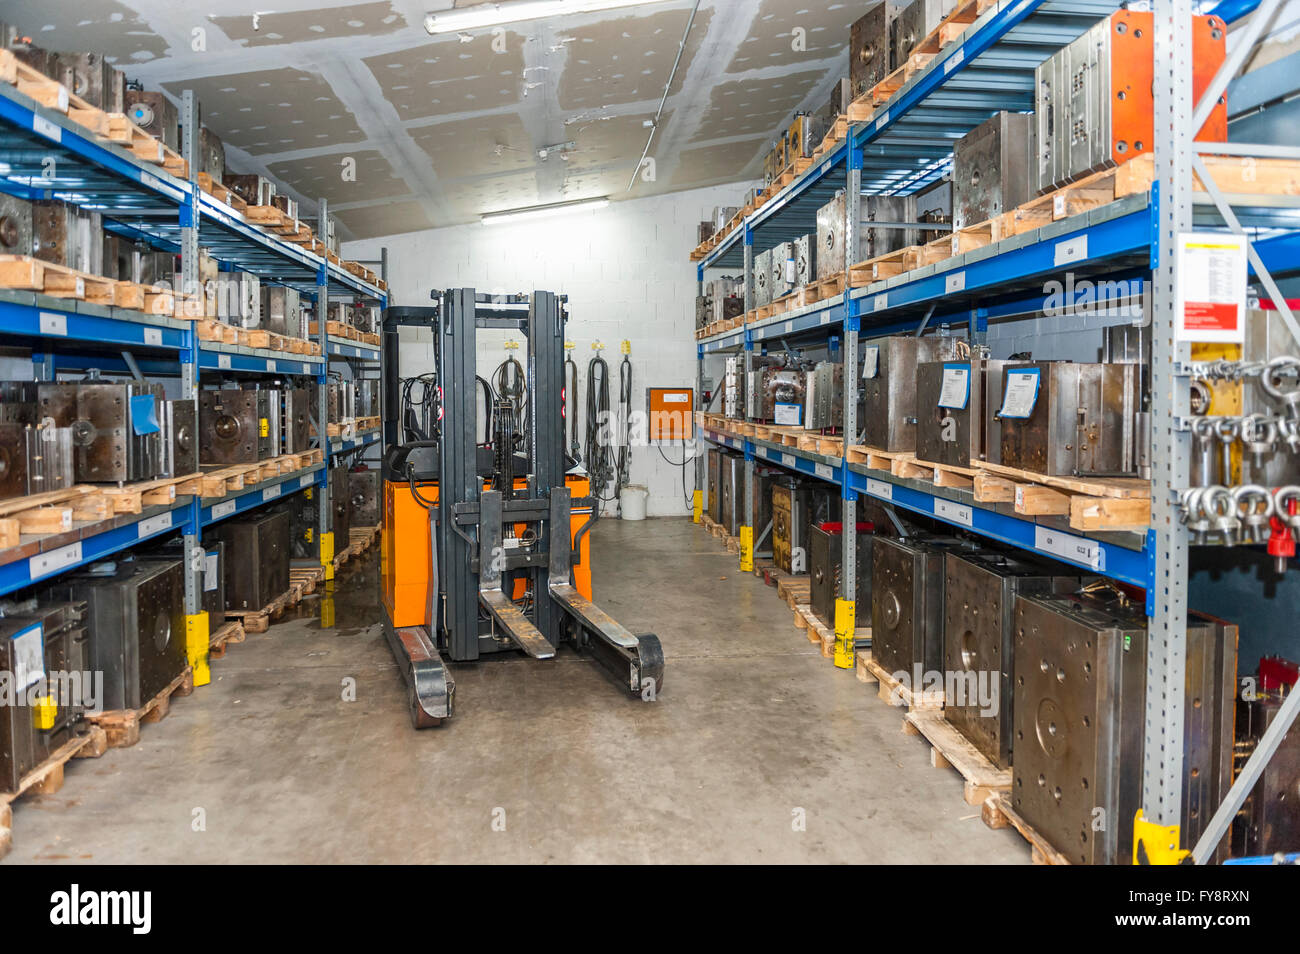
{"x":419,"y":718}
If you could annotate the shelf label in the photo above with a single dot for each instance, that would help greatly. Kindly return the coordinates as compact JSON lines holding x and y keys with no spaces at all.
{"x":224,"y":509}
{"x":878,"y":488}
{"x":1210,"y":301}
{"x":881,"y":302}
{"x":789,"y":327}
{"x":147,"y":528}
{"x":1069,"y":547}
{"x":270,"y":493}
{"x":788,"y":459}
{"x":1072,"y":250}
{"x":223,"y":361}
{"x":957,"y":513}
{"x":52,"y":324}
{"x":823,"y":471}
{"x":150,"y":181}
{"x":882,"y":120}
{"x":826,"y":318}
{"x":954,"y":61}
{"x":46,"y":563}
{"x":153,"y":336}
{"x":270,"y":364}
{"x":48,"y":129}
{"x":954,"y":282}
{"x":28,"y":656}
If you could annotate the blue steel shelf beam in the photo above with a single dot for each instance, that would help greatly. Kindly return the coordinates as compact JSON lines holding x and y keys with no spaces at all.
{"x":214,"y":510}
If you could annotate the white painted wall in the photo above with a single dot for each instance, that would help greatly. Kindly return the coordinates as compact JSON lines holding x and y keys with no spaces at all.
{"x":626,"y":271}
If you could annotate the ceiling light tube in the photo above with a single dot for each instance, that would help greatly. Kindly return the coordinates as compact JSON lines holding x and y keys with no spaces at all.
{"x":557,"y":208}
{"x":497,"y":14}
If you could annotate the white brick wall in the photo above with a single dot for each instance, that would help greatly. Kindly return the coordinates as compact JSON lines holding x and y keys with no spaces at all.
{"x":626,"y":271}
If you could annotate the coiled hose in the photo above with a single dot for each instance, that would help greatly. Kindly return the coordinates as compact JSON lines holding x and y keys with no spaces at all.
{"x":598,"y":452}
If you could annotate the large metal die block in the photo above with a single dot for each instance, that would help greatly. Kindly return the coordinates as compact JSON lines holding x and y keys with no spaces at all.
{"x":36,"y":644}
{"x":888,"y":226}
{"x":260,"y":573}
{"x":1083,"y":421}
{"x":733,"y":393}
{"x":731,"y":491}
{"x":229,"y":426}
{"x":791,"y":505}
{"x":116,"y":428}
{"x":341,"y":505}
{"x":15,"y":225}
{"x":978,"y":633}
{"x":714,"y":501}
{"x":1079,"y":714}
{"x":180,"y":445}
{"x":13,"y":459}
{"x":363,"y":489}
{"x":97,"y":82}
{"x":298,"y":411}
{"x":1269,"y":821}
{"x":825,"y":570}
{"x":912,"y":25}
{"x":776,"y":395}
{"x":831,"y":259}
{"x":281,"y":311}
{"x":954,"y":425}
{"x":805,"y":260}
{"x":991,"y":169}
{"x":783,"y":268}
{"x":65,"y":235}
{"x":907,"y":606}
{"x":763,"y":278}
{"x":889,"y":389}
{"x":136,"y":621}
{"x":824,"y":397}
{"x":155,"y":114}
{"x":869,"y":60}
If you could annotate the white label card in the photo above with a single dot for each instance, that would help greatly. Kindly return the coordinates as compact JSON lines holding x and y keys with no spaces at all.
{"x":788,"y":459}
{"x":882,"y":120}
{"x":210,"y":568}
{"x":153,"y":336}
{"x":870,"y":361}
{"x":29,"y":657}
{"x":223,"y":361}
{"x":957,"y":513}
{"x":1069,"y":547}
{"x":52,"y":324}
{"x":270,"y":493}
{"x":46,"y":563}
{"x":1073,"y":250}
{"x":1210,"y":300}
{"x":955,"y":392}
{"x":955,"y":282}
{"x":790,"y":415}
{"x":270,"y":364}
{"x":1021,"y":393}
{"x":147,"y":528}
{"x":824,"y":472}
{"x":47,"y":129}
{"x":954,"y":61}
{"x":223,"y":510}
{"x":878,"y":488}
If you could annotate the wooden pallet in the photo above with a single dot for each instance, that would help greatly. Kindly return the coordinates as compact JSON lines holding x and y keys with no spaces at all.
{"x":891,"y":690}
{"x":222,"y":194}
{"x":997,"y":813}
{"x":949,"y":748}
{"x":47,"y":778}
{"x":306,"y":576}
{"x":820,"y":634}
{"x":225,"y":635}
{"x":824,"y":444}
{"x":360,"y":539}
{"x":122,"y":726}
{"x":236,"y":477}
{"x":259,"y":620}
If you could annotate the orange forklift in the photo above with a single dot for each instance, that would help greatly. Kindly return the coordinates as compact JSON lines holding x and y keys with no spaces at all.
{"x":485,"y":545}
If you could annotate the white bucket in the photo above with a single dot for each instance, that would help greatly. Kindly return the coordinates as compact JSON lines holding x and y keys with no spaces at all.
{"x":631,"y":502}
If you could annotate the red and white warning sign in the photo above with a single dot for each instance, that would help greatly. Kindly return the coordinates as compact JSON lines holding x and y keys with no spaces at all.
{"x":1211,"y":298}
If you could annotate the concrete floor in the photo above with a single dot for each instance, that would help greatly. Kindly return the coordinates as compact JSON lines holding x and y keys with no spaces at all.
{"x":753,"y":725}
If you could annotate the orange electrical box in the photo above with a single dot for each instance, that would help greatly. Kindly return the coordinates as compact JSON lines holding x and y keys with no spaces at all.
{"x":670,"y":415}
{"x":405,"y":561}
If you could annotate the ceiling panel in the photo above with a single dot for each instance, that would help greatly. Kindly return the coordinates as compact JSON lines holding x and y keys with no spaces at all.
{"x":340,"y":177}
{"x":362,"y":19}
{"x":475,"y":147}
{"x":756,"y":106}
{"x":387,"y":218}
{"x":794,"y":34}
{"x":450,"y":76}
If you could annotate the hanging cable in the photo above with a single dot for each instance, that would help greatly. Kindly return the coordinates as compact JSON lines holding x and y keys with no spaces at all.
{"x":511,"y":386}
{"x":571,"y":408}
{"x":599,"y":455}
{"x":624,"y":422}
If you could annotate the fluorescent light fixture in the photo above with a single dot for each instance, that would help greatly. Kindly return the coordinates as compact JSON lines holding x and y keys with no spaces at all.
{"x":496,"y":14}
{"x":556,"y":208}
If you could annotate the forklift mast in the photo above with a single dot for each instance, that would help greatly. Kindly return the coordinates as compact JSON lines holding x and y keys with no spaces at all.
{"x":504,"y":529}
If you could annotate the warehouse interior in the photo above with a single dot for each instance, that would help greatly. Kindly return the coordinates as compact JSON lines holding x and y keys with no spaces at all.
{"x":649,"y":431}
